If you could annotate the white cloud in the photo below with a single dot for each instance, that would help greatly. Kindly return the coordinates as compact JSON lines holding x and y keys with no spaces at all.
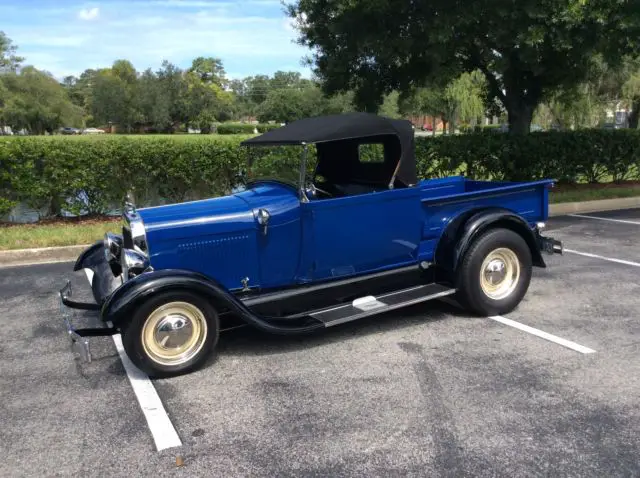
{"x":89,"y":13}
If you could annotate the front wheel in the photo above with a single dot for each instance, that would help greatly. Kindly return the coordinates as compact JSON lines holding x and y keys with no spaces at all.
{"x":172,"y":333}
{"x":495,"y":273}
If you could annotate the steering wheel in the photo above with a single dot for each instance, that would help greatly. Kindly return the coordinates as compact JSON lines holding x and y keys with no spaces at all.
{"x":313,"y":190}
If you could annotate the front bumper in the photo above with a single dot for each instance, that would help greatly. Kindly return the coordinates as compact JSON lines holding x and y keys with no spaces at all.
{"x":79,"y":340}
{"x":102,"y":282}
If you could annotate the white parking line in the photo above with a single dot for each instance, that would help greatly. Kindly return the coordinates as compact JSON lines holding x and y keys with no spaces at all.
{"x":611,"y":259}
{"x":163,"y":432}
{"x":624,"y":221}
{"x":552,"y":338}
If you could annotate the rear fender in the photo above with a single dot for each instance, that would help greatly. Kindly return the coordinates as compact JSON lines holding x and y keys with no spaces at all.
{"x":121,"y":305}
{"x":465,"y":228}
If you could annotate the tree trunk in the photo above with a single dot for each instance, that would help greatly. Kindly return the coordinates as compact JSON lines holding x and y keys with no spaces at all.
{"x":434,"y":125}
{"x":444,"y":126}
{"x":520,"y":117}
{"x":635,"y":114}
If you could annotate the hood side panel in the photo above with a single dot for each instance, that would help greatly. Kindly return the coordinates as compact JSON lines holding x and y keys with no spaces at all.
{"x":227,"y":257}
{"x":216,"y":237}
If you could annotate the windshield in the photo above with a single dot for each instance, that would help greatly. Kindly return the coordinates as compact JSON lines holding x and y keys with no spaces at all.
{"x":280,"y":163}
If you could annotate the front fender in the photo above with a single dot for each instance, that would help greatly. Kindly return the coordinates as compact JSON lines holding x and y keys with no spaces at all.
{"x":122,"y":303}
{"x":90,"y":257}
{"x":466,"y":227}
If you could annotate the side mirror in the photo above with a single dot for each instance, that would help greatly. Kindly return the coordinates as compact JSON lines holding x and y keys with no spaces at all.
{"x":263,"y":219}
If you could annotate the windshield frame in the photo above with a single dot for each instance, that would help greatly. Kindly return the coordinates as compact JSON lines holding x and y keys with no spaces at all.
{"x":299,"y":186}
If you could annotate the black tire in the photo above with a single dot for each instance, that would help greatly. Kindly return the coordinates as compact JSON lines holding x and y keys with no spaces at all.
{"x":138,"y":349}
{"x":469,"y":283}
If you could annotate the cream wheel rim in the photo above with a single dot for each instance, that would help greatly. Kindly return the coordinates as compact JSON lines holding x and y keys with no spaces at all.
{"x":499,"y":273}
{"x":174,"y":333}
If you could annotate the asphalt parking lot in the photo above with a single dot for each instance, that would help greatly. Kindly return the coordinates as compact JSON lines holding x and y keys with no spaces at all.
{"x":426,"y":391}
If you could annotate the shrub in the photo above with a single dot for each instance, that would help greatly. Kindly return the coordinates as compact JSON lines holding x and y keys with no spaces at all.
{"x":244,"y":128}
{"x":235,"y":128}
{"x":570,"y":157}
{"x":93,"y":174}
{"x":480,"y":128}
{"x":264,"y":127}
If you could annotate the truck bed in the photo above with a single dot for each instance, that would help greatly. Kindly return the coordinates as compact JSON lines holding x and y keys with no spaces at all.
{"x":444,"y":198}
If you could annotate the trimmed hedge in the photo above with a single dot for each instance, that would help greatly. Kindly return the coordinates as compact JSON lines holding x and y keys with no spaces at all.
{"x":569,"y":157}
{"x":244,"y":128}
{"x":93,"y":174}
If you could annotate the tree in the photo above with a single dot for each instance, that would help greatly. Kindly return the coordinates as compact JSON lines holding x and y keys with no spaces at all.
{"x":107,"y":102}
{"x":155,"y":105}
{"x":35,"y":101}
{"x":525,"y":49}
{"x":115,"y":96}
{"x":584,"y":105}
{"x":173,"y":87}
{"x":257,"y":88}
{"x":9,"y":61}
{"x":389,"y":107}
{"x":285,"y":105}
{"x":206,"y":103}
{"x":462,"y":99}
{"x":467,"y":93}
{"x":339,"y":103}
{"x":209,"y":70}
{"x":631,"y":91}
{"x":163,"y":97}
{"x":286,"y":79}
{"x":4,"y":98}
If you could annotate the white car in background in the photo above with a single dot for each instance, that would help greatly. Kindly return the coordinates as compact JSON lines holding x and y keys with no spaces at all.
{"x":92,"y":131}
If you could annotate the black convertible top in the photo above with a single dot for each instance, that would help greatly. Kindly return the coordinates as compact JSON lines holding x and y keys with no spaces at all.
{"x":337,"y":132}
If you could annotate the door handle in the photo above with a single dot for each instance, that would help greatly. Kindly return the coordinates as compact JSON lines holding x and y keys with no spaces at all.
{"x":263,"y":219}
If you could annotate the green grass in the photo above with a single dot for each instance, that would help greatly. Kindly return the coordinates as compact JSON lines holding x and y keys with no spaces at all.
{"x":57,"y":234}
{"x":593,"y":194}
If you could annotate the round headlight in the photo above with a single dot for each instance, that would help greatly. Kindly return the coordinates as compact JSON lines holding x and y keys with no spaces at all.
{"x":112,"y":246}
{"x":134,"y":262}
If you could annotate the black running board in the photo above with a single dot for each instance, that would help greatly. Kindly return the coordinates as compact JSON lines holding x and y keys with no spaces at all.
{"x":371,"y":305}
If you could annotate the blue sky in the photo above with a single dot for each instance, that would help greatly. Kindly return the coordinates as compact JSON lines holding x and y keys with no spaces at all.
{"x":65,"y":37}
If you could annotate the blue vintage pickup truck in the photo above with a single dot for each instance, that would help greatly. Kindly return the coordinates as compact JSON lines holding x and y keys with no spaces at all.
{"x":348,"y":233}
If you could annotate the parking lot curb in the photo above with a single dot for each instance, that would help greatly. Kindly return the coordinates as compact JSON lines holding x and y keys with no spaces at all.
{"x":22,"y":257}
{"x":560,"y":209}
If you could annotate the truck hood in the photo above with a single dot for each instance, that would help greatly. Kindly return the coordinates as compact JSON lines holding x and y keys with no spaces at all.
{"x":224,"y":214}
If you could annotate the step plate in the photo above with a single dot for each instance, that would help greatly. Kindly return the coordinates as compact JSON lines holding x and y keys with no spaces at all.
{"x":371,"y":305}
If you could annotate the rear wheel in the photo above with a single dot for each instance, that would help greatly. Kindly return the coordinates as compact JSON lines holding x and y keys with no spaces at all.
{"x":495,"y":273}
{"x":172,"y":333}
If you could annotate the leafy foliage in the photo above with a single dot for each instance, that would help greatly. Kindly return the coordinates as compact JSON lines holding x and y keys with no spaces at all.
{"x":244,"y":128}
{"x":93,"y":174}
{"x":569,"y":157}
{"x":9,"y":61}
{"x":525,"y":49}
{"x":36,"y":101}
